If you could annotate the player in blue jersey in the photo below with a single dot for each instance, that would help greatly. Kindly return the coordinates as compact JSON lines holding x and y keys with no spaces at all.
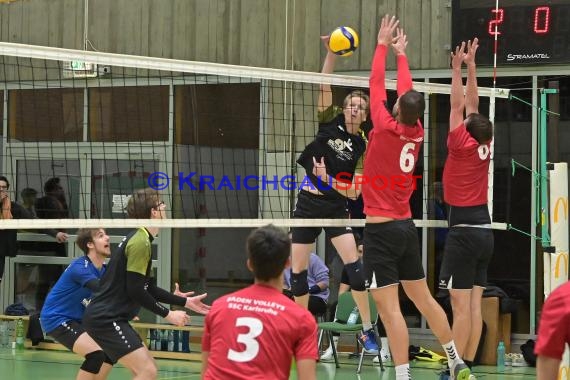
{"x":65,"y":304}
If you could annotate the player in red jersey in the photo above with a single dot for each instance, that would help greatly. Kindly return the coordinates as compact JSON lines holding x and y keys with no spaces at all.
{"x":469,"y":244}
{"x":553,"y":333}
{"x":255,"y":332}
{"x":391,"y":246}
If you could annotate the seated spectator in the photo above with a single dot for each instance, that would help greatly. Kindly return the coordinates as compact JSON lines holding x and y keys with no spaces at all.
{"x":318,"y":278}
{"x":12,"y":210}
{"x":29,"y":197}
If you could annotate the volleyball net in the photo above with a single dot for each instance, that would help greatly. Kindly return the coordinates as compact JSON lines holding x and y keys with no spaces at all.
{"x":220,"y":142}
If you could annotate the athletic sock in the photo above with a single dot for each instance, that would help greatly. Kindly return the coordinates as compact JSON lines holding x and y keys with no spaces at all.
{"x":403,"y":372}
{"x":452,"y":357}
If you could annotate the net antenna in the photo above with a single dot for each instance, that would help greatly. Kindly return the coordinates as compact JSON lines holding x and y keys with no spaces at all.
{"x":492,"y":112}
{"x":119,"y":114}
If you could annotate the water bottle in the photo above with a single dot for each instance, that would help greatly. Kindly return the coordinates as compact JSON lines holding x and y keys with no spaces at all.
{"x":20,"y":334}
{"x":501,"y":355}
{"x":164,"y":340}
{"x":170,"y":341}
{"x":353,"y":317}
{"x":4,"y":336}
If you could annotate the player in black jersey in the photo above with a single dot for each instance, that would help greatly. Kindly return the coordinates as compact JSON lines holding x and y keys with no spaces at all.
{"x":335,"y":153}
{"x":127,"y":285}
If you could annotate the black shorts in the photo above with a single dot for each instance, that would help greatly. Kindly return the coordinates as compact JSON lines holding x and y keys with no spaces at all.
{"x":391,"y":253}
{"x":466,"y":257}
{"x":67,"y":333}
{"x":117,"y":339}
{"x":312,"y":206}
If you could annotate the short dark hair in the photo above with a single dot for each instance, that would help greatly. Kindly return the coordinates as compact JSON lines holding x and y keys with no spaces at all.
{"x":142,"y":202}
{"x":411,"y":107}
{"x":84,"y":236}
{"x":268,"y":249}
{"x":28,"y":191}
{"x":2,"y":178}
{"x":52,"y":185}
{"x":479,"y":127}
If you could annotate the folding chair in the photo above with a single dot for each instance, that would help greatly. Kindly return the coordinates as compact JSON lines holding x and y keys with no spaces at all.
{"x":344,"y":308}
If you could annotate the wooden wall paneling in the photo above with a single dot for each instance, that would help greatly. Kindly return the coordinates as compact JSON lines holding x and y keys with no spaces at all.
{"x":411,"y":20}
{"x":72,"y":31}
{"x":55,"y":23}
{"x":103,"y":16}
{"x":279,"y":35}
{"x":336,"y":13}
{"x":426,"y":38}
{"x":184,"y":29}
{"x":213,"y":38}
{"x":391,"y":8}
{"x":220,"y":43}
{"x":306,"y":46}
{"x":160,"y":35}
{"x":440,"y":28}
{"x":234,"y":31}
{"x":200,"y":34}
{"x":370,"y":23}
{"x":253,"y":39}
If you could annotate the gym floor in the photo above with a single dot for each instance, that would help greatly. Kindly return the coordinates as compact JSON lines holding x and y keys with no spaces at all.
{"x":57,"y":365}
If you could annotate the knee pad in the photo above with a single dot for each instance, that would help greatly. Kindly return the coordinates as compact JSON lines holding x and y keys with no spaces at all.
{"x":299,"y":284}
{"x":93,"y":361}
{"x":356,"y":276}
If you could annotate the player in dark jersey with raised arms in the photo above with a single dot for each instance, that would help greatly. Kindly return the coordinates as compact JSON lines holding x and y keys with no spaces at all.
{"x":469,"y":244}
{"x":391,"y":246}
{"x":127,"y":286}
{"x":340,"y":145}
{"x":255,"y":332}
{"x":65,"y":304}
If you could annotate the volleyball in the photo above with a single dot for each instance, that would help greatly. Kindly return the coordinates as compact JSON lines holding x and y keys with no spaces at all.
{"x":343,"y":41}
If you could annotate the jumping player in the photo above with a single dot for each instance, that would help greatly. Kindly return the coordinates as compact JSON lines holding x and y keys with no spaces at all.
{"x":469,"y":244}
{"x":391,"y":246}
{"x":339,"y":144}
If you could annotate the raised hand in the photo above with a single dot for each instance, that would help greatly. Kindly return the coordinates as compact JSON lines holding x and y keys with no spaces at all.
{"x":458,"y":57}
{"x":177,"y":291}
{"x":195,"y":304}
{"x":326,"y":40}
{"x":469,"y":57}
{"x":387,"y":27}
{"x":399,"y":42}
{"x":319,"y":168}
{"x":177,"y":317}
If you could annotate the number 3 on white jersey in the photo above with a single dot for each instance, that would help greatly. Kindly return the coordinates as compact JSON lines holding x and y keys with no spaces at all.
{"x":407,"y":159}
{"x":483,"y":152}
{"x":248,"y":339}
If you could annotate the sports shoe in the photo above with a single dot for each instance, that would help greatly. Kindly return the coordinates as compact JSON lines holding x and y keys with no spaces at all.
{"x":518,"y":361}
{"x":509,"y":359}
{"x":472,"y":377}
{"x":368,"y":340}
{"x":460,"y":372}
{"x":385,"y":355}
{"x":327,"y":355}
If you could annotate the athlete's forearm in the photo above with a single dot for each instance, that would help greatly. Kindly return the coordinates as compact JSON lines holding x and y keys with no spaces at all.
{"x":404,"y":83}
{"x":471,"y":93}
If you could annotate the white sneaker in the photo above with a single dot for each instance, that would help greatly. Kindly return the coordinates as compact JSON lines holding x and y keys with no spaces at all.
{"x":472,"y":377}
{"x":327,"y":355}
{"x":384,"y":354}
